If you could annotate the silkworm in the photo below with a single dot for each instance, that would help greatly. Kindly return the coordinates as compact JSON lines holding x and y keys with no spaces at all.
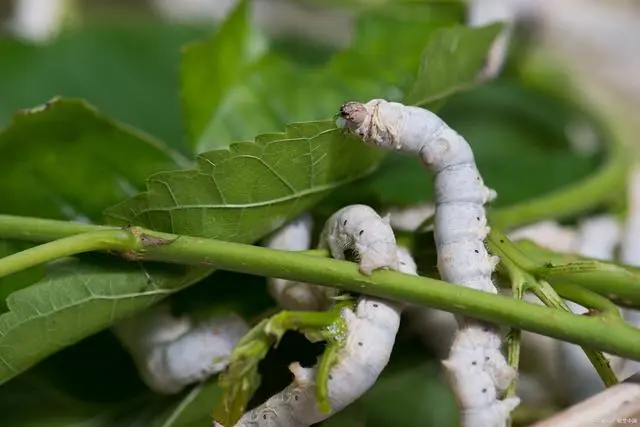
{"x":360,"y":229}
{"x":290,"y":294}
{"x":173,"y":352}
{"x":460,"y":227}
{"x":371,"y":328}
{"x":410,"y":218}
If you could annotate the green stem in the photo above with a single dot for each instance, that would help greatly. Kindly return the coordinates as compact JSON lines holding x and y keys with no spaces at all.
{"x":543,"y":290}
{"x":595,"y":332}
{"x":514,"y":260}
{"x":116,"y":240}
{"x":572,"y":199}
{"x":500,"y":245}
{"x":518,"y":287}
{"x":589,"y":299}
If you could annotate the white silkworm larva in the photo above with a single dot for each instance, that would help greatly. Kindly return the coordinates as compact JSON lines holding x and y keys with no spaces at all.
{"x":173,"y":352}
{"x":371,"y":329}
{"x":410,"y":218}
{"x":460,"y":227}
{"x":360,"y":229}
{"x":290,"y":294}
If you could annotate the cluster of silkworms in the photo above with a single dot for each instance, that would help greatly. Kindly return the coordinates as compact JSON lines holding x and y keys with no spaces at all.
{"x":172,"y":352}
{"x":476,"y":366}
{"x":370,"y":329}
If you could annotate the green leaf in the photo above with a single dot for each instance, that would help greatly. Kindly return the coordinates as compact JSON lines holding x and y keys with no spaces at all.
{"x":244,"y":192}
{"x":18,"y":280}
{"x":451,"y":62}
{"x":77,"y":299}
{"x":211,"y":69}
{"x":41,"y":398}
{"x":128,"y":71}
{"x":232,"y":90}
{"x":64,"y":160}
{"x":191,"y":409}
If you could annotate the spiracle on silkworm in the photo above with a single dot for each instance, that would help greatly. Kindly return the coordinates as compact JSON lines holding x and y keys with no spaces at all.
{"x":370,"y":329}
{"x":173,"y":352}
{"x":290,"y":294}
{"x":460,"y":227}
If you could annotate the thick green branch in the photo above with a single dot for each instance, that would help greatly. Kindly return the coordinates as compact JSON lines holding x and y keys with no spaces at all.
{"x":595,"y":332}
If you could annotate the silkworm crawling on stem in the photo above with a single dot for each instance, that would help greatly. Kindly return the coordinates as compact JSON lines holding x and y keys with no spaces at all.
{"x":173,"y":352}
{"x":370,"y":329}
{"x":460,"y":228}
{"x":292,"y":295}
{"x":359,"y":229}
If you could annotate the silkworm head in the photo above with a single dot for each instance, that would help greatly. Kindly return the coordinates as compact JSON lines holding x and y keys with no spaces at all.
{"x":352,"y":117}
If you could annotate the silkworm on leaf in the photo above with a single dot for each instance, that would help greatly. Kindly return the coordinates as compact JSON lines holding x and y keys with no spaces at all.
{"x":370,"y":329}
{"x":174,"y":352}
{"x":290,"y":294}
{"x":460,"y":222}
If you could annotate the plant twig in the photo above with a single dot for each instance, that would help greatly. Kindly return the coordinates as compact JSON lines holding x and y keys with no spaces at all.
{"x":510,"y":254}
{"x":115,"y":240}
{"x":615,"y":338}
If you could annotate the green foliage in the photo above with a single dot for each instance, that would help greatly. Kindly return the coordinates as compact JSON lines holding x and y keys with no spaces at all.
{"x":450,"y":63}
{"x":64,"y":160}
{"x":252,"y":188}
{"x":128,"y":71}
{"x":70,"y":160}
{"x":44,"y":318}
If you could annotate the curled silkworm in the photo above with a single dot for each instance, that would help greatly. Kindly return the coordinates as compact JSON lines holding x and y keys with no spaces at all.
{"x":370,"y":329}
{"x":290,"y":294}
{"x":360,"y":229}
{"x":173,"y":352}
{"x":460,"y":227}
